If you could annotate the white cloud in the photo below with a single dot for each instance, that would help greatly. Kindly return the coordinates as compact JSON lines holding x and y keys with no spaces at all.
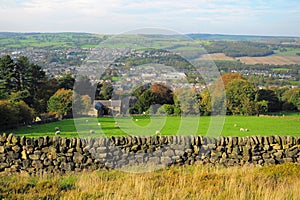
{"x":115,"y":16}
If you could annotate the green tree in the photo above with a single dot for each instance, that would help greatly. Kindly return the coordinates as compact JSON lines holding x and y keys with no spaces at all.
{"x":8,"y":115}
{"x":45,"y":90}
{"x":81,"y":104}
{"x":25,"y":113}
{"x":13,"y":114}
{"x":6,"y":72}
{"x":106,"y":91}
{"x":292,"y":96}
{"x":21,"y":73}
{"x":61,"y":102}
{"x":167,"y":109}
{"x":145,"y":101}
{"x":83,"y":86}
{"x":188,"y":103}
{"x":271,"y":98}
{"x":241,"y":97}
{"x":67,"y":81}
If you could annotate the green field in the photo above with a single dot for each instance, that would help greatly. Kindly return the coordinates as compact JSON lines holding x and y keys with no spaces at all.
{"x":281,"y":69}
{"x":289,"y":124}
{"x":288,"y":52}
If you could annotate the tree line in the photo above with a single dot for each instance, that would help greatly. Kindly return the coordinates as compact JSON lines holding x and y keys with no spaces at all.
{"x":242,"y":98}
{"x":26,"y":92}
{"x":239,"y":48}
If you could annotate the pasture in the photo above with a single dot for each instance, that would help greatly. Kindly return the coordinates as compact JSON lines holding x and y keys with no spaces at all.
{"x":289,"y":124}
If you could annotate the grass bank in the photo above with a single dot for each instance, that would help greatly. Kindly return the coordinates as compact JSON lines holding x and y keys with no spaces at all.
{"x":185,"y":182}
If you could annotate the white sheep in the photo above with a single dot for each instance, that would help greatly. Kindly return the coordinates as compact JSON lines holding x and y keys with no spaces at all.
{"x":158,"y":132}
{"x":57,"y":132}
{"x":242,"y":129}
{"x":136,"y":120}
{"x":99,"y":124}
{"x":92,"y":131}
{"x":246,"y":130}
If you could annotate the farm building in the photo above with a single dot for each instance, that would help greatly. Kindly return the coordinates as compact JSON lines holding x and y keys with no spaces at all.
{"x":106,"y":107}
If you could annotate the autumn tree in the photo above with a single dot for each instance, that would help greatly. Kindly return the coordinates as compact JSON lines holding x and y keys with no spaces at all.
{"x":163,"y":95}
{"x":205,"y":103}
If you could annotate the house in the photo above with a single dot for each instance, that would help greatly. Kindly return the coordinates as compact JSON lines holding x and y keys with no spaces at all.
{"x":106,"y":107}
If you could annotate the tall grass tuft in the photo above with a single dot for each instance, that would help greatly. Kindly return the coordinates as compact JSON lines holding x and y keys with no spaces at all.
{"x":184,"y":182}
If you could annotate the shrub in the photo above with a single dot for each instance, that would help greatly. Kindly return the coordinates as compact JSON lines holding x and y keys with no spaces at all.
{"x":8,"y":115}
{"x":25,"y":113}
{"x":166,"y":109}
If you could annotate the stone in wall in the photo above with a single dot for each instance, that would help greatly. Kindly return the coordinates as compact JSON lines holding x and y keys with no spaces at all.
{"x":51,"y":155}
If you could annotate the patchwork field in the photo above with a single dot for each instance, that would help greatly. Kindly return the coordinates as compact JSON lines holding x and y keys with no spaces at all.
{"x":274,"y":59}
{"x":143,"y":125}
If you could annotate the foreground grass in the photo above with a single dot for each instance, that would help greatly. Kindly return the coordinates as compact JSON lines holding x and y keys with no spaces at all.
{"x":279,"y":124}
{"x":185,"y":182}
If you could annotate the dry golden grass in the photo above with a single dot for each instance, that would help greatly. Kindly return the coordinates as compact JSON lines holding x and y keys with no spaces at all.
{"x":189,"y":182}
{"x":275,"y":60}
{"x":216,"y":56}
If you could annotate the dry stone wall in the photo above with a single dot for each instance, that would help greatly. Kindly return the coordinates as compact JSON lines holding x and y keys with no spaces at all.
{"x":52,"y":155}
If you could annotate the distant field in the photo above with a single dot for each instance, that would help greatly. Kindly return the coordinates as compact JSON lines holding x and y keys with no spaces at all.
{"x":288,"y":52}
{"x":264,"y":125}
{"x":216,"y":56}
{"x":276,"y":60}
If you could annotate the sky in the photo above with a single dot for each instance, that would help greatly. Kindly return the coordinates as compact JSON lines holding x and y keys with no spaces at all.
{"x":245,"y":17}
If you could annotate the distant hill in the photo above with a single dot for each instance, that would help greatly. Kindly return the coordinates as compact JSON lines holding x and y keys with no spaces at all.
{"x":234,"y":37}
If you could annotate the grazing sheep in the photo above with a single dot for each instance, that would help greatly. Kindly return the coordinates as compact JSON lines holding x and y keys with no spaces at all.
{"x":158,"y":133}
{"x":57,"y":132}
{"x":99,"y":124}
{"x":92,"y":131}
{"x":136,"y":120}
{"x":246,"y":130}
{"x":117,"y":126}
{"x":242,"y":129}
{"x":56,"y":128}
